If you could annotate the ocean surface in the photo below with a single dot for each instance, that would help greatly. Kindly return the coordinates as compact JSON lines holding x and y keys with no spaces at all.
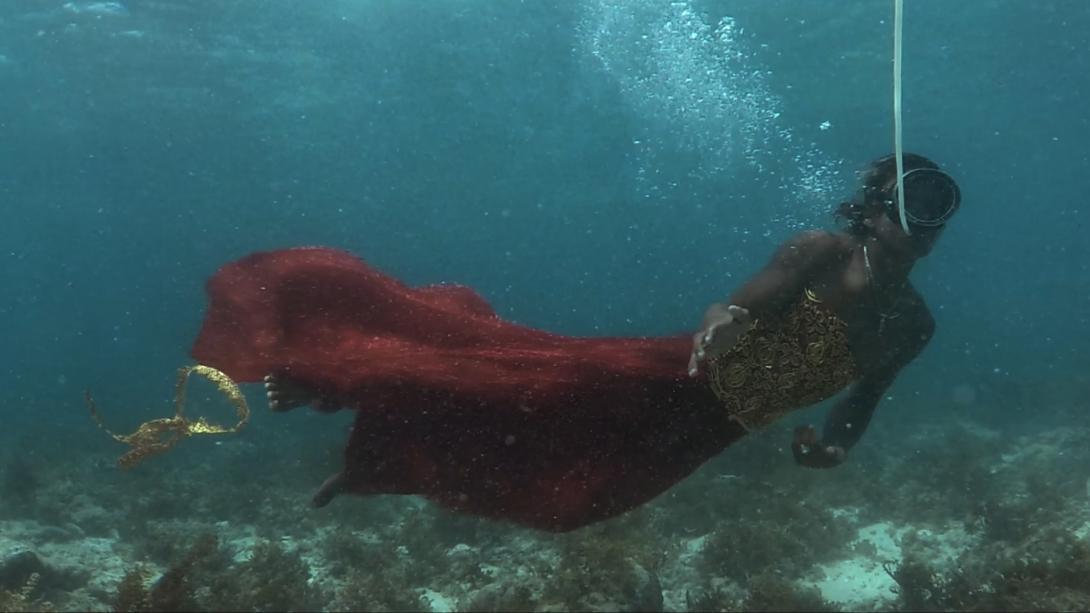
{"x":590,"y":167}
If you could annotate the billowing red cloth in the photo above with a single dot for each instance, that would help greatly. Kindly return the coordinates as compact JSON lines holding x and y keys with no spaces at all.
{"x":453,"y":403}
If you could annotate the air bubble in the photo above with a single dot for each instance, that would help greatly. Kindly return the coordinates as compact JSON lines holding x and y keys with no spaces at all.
{"x":699,"y":88}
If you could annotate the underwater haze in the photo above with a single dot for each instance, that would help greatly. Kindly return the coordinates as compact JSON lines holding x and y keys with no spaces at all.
{"x":590,"y":167}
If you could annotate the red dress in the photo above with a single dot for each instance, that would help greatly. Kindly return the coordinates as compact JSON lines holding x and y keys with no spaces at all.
{"x":453,"y":403}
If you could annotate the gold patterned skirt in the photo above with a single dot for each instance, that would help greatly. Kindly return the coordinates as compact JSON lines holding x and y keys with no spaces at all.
{"x":793,"y":361}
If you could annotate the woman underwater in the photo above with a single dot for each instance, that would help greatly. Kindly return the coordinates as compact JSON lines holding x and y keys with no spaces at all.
{"x":500,"y":420}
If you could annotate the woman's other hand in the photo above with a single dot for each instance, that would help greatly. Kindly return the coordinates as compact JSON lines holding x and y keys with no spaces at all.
{"x":809,"y":451}
{"x":723,"y":326}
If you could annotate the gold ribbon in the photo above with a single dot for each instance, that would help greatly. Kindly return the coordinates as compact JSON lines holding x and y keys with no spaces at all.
{"x":161,"y":435}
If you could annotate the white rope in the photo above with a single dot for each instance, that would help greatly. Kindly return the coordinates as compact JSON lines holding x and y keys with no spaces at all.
{"x":898,"y":9}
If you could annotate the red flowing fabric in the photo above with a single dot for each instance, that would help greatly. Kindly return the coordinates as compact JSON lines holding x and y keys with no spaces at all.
{"x":479,"y":414}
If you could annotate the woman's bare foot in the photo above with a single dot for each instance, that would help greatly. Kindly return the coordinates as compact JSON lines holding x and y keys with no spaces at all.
{"x":328,"y":490}
{"x":285,"y":394}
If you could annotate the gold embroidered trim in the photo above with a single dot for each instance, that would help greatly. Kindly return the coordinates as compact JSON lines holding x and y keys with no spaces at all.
{"x":161,"y":435}
{"x":800,"y":359}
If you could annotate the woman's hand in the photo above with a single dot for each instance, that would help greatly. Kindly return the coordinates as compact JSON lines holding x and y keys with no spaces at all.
{"x":809,"y":451}
{"x":723,"y":326}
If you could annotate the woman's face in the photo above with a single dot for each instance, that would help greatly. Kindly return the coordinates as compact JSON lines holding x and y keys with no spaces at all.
{"x":915,"y":245}
{"x":887,"y":228}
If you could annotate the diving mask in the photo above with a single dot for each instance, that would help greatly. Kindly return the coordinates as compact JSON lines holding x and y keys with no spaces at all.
{"x":931,"y":198}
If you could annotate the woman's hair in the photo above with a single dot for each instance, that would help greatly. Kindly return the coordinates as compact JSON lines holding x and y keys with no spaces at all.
{"x":870,"y":199}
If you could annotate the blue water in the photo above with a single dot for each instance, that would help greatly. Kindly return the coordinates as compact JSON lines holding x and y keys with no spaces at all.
{"x":591,"y":167}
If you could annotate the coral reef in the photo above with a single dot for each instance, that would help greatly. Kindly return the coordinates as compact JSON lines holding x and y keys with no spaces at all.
{"x":205,"y":578}
{"x":607,"y":567}
{"x":772,"y":592}
{"x":752,"y":539}
{"x":958,"y":515}
{"x":23,"y":599}
{"x":1046,"y":572}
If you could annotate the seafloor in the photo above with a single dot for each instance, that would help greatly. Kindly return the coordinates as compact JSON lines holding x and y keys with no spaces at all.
{"x":976,"y":502}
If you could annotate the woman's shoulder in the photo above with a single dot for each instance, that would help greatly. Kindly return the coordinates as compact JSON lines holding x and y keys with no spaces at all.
{"x":819,"y":244}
